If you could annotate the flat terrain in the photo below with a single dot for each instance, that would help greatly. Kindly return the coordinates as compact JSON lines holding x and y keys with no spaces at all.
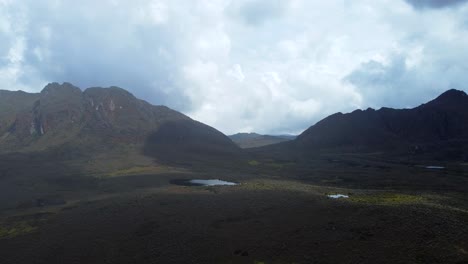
{"x":396,"y":213}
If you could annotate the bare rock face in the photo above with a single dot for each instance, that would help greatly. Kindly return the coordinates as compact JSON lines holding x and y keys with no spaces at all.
{"x":62,"y":114}
{"x":58,"y":108}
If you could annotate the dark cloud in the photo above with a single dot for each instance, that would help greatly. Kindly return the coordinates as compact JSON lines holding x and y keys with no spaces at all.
{"x":383,"y":85}
{"x":395,"y":84}
{"x":104,"y":51}
{"x":257,"y":12}
{"x":421,"y":4}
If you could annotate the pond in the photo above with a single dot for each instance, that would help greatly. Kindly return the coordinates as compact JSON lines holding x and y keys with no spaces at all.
{"x":201,"y":182}
{"x":435,"y":167}
{"x":337,"y":196}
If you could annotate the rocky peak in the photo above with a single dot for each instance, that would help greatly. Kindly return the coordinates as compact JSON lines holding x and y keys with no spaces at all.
{"x":452,"y":93}
{"x":450,"y":98}
{"x":60,"y":89}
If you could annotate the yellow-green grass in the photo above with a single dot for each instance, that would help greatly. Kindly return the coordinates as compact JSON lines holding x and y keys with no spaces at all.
{"x":382,"y":198}
{"x":387,"y":198}
{"x":16,"y":229}
{"x":270,"y":163}
{"x":253,"y":163}
{"x":288,"y":185}
{"x":136,"y":170}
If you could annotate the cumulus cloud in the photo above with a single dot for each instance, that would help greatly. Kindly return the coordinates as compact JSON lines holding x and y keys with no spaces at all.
{"x":422,"y":65}
{"x":267,"y":66}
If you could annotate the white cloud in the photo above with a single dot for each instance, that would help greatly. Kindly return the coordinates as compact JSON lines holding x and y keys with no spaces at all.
{"x":248,"y":65}
{"x":236,"y":72}
{"x":154,"y":12}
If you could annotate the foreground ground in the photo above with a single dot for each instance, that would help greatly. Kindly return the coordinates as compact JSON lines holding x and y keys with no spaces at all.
{"x":268,"y":218}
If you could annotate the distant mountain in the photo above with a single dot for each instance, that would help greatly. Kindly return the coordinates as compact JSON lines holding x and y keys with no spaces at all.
{"x":439,"y":125}
{"x":64,"y":119}
{"x":252,"y":140}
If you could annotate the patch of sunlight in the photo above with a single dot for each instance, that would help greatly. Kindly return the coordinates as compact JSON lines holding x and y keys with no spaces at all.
{"x":138,"y":170}
{"x":387,"y":198}
{"x":16,"y":229}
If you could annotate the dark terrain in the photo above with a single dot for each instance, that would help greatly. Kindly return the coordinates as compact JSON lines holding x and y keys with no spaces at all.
{"x":253,"y":140}
{"x":440,"y":125}
{"x":85,"y":181}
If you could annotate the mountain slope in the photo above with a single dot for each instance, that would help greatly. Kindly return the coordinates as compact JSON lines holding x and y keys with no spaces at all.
{"x":64,"y":118}
{"x":439,"y":124}
{"x":252,"y":140}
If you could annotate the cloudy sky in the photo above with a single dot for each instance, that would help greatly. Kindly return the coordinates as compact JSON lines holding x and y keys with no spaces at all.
{"x":269,"y":66}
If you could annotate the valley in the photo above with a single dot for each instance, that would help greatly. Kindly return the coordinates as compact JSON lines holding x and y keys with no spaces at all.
{"x":99,"y":190}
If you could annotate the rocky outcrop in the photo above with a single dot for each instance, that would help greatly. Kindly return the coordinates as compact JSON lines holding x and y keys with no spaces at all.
{"x":62,"y":114}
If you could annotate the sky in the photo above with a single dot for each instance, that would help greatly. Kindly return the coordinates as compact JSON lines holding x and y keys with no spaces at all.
{"x":266,"y":66}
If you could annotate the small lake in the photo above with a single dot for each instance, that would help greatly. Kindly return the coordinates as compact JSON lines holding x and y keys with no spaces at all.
{"x":435,"y":167}
{"x":337,"y":196}
{"x":201,"y":182}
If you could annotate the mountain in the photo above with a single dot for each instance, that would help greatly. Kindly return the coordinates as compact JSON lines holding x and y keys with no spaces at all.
{"x":252,"y":140}
{"x":439,"y":125}
{"x":66,"y":121}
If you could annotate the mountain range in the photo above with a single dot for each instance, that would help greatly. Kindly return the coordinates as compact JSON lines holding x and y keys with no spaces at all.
{"x":65,"y":120}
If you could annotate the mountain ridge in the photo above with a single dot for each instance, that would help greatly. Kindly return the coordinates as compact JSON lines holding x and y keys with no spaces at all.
{"x":438,"y":121}
{"x":93,"y":120}
{"x":98,"y":118}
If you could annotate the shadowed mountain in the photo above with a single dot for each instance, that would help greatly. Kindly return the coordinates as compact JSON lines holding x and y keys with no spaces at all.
{"x":73,"y":122}
{"x":184,"y":140}
{"x":253,"y":140}
{"x":439,"y":127}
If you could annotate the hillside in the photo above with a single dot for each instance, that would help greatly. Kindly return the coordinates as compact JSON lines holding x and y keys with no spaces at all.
{"x":439,"y":125}
{"x":71,"y":123}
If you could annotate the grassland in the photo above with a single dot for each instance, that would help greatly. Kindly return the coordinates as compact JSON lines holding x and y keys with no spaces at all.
{"x":279,"y":213}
